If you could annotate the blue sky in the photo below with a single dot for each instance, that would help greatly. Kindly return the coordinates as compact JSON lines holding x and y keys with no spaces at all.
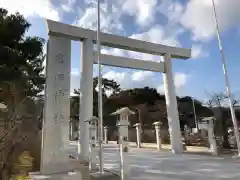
{"x":181,"y":23}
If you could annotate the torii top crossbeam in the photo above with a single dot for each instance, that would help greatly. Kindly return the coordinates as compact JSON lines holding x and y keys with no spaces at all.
{"x":78,"y":33}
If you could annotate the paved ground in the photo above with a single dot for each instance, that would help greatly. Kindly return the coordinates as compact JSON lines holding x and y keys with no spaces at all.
{"x":148,"y":164}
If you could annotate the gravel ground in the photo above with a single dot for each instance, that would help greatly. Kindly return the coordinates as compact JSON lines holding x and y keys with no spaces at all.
{"x":148,"y":164}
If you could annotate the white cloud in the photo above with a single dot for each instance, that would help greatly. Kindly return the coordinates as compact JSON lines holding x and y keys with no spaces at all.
{"x":198,"y":17}
{"x":146,"y":78}
{"x":141,"y":75}
{"x":171,"y":9}
{"x":116,"y":76}
{"x":198,"y":51}
{"x":132,"y":79}
{"x":180,"y":79}
{"x":30,"y":8}
{"x":157,"y":34}
{"x":68,"y":6}
{"x":109,"y":18}
{"x":143,"y":10}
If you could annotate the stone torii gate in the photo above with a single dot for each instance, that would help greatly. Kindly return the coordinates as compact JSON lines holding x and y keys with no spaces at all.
{"x":57,"y":92}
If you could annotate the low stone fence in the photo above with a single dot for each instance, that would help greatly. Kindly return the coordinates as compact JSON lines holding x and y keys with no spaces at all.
{"x":149,"y":136}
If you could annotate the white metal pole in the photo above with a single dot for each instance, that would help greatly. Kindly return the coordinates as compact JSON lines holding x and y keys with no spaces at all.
{"x":100,"y":114}
{"x":194,"y":112}
{"x":227,"y":80}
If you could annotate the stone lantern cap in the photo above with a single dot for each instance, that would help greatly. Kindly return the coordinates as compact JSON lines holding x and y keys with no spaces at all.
{"x":137,"y":124}
{"x":3,"y":107}
{"x":157,"y":123}
{"x":206,"y":120}
{"x":206,"y":123}
{"x":94,"y":119}
{"x":124,"y":110}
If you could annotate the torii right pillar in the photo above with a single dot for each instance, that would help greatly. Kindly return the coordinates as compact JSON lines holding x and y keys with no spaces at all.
{"x":171,"y":105}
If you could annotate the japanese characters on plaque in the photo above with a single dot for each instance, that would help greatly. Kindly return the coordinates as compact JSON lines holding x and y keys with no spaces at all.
{"x":60,"y":58}
{"x":58,"y":118}
{"x":59,"y":77}
{"x":59,"y":92}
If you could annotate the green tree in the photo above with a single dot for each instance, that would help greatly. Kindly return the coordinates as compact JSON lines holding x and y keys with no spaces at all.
{"x":107,"y":86}
{"x":186,"y":111}
{"x":136,"y":96}
{"x":74,"y":104}
{"x":21,"y":59}
{"x":21,"y":79}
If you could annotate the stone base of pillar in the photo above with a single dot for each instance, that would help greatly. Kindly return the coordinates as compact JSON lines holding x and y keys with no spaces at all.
{"x":80,"y":160}
{"x":61,"y":176}
{"x":184,"y":147}
{"x":80,"y":171}
{"x":82,"y":167}
{"x":237,"y":156}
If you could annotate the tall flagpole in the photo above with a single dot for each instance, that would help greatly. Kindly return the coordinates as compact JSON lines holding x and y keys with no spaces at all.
{"x":100,"y":114}
{"x":235,"y":124}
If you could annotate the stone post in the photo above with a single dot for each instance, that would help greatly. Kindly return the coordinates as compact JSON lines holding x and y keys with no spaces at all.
{"x":172,"y":107}
{"x":138,"y":131}
{"x":208,"y":124}
{"x":212,"y":138}
{"x":123,"y":140}
{"x":93,"y":154}
{"x":105,"y":134}
{"x":157,"y":126}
